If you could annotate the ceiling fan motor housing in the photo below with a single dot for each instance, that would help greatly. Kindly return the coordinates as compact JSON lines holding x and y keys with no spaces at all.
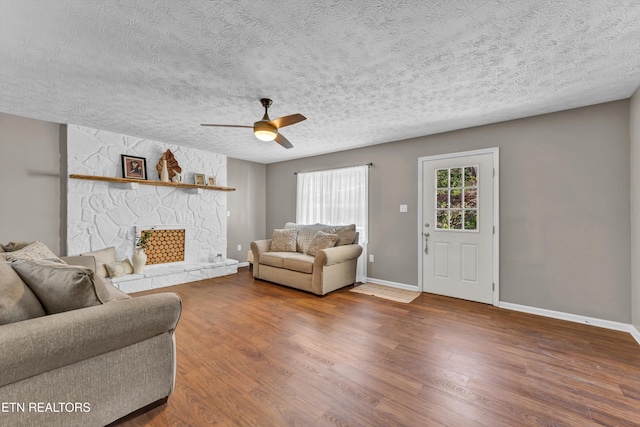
{"x":264,"y":130}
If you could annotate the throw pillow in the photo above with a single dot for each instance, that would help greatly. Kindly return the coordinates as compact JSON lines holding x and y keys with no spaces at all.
{"x":283,"y":240}
{"x":306,"y":233}
{"x":119,"y":268}
{"x":62,"y":287}
{"x":346,"y":234}
{"x":321,"y":241}
{"x":14,"y":246}
{"x":17,"y":302}
{"x":103,"y":257}
{"x":35,"y":250}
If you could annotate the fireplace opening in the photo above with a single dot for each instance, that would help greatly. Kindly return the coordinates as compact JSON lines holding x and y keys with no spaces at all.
{"x":166,"y":245}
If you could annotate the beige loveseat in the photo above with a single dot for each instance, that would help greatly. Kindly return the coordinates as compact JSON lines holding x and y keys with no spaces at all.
{"x":305,"y":265}
{"x":87,"y":366}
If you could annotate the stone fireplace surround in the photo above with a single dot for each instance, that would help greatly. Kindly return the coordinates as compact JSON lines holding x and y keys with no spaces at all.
{"x":102,"y":214}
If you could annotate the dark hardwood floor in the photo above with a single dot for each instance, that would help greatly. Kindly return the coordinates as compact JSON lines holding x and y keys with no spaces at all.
{"x":251,"y":353}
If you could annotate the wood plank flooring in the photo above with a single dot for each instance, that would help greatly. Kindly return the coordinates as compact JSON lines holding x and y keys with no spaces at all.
{"x":251,"y":353}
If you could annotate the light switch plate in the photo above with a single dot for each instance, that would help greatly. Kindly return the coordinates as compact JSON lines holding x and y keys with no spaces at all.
{"x":403,"y":208}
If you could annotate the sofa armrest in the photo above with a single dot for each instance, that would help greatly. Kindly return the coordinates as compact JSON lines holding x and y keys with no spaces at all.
{"x":260,"y":246}
{"x":34,"y":346}
{"x":338,"y":254}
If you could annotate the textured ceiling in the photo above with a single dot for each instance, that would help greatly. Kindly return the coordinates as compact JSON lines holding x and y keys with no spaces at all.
{"x":362,"y":72}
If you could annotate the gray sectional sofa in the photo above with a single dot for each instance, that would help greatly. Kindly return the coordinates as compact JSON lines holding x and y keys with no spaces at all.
{"x":87,"y":366}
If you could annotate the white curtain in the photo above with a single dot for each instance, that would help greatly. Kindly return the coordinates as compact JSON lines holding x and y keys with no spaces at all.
{"x":337,"y":197}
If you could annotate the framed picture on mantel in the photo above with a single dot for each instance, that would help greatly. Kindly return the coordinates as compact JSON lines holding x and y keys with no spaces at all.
{"x":134,"y":167}
{"x":198,"y":178}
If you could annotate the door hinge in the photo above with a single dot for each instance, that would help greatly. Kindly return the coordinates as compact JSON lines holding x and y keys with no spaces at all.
{"x":494,"y":171}
{"x":493,"y":287}
{"x":494,"y":229}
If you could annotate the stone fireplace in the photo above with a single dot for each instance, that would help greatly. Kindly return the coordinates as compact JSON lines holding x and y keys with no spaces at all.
{"x":102,"y":214}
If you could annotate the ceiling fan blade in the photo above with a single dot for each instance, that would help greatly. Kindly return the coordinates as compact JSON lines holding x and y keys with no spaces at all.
{"x":227,"y":126}
{"x":281,"y":122}
{"x":283,"y":141}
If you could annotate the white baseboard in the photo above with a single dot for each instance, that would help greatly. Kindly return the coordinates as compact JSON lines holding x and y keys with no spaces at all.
{"x":635,"y":333}
{"x":392,"y":284}
{"x":243,"y":264}
{"x":601,"y":323}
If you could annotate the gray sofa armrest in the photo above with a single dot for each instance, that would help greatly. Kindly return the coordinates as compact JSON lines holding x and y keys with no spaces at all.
{"x":39,"y":345}
{"x":260,"y":246}
{"x":337,"y":254}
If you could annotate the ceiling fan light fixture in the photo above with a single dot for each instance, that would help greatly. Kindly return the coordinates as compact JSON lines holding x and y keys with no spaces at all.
{"x":264,"y":131}
{"x":267,"y":129}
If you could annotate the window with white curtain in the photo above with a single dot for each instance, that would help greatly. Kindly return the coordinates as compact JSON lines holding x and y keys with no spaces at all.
{"x":337,"y":197}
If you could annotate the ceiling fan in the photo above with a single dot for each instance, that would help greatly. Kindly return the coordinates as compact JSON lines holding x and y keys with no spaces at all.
{"x":267,"y":129}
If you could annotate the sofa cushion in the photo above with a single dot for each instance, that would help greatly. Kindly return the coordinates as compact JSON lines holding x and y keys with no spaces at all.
{"x":299,"y":262}
{"x":283,"y":240}
{"x":288,"y":260}
{"x":346,"y":234}
{"x":119,"y":268}
{"x":17,"y":302}
{"x":274,"y":259}
{"x":103,"y":257}
{"x":321,"y":241}
{"x":115,"y":294}
{"x":62,"y":287}
{"x":35,"y":250}
{"x":306,"y":233}
{"x":14,"y":246}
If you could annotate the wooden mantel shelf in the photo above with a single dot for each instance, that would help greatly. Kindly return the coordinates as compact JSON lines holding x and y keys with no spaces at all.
{"x":148,"y":182}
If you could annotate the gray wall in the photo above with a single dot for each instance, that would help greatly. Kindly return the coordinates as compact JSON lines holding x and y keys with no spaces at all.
{"x":247,"y":206}
{"x":635,"y":208}
{"x":30,"y":181}
{"x":564,"y":206}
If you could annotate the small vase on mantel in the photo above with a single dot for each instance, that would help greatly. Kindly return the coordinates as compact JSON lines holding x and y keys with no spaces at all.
{"x":164,"y":174}
{"x":139,"y":260}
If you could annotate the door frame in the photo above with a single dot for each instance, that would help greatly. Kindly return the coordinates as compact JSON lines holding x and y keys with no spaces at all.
{"x":495,"y":151}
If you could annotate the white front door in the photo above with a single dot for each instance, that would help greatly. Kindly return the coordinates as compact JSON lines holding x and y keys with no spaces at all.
{"x":457,"y":227}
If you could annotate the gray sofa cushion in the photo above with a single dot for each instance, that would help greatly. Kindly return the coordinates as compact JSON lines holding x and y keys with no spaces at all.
{"x":115,"y":294}
{"x":14,"y":246}
{"x":62,"y":287}
{"x":35,"y":250}
{"x":103,"y":257}
{"x":283,"y":240}
{"x":274,"y":259}
{"x":119,"y":268}
{"x":17,"y":302}
{"x":306,"y":233}
{"x":346,"y":234}
{"x":288,"y":260}
{"x":299,"y":262}
{"x":321,"y":241}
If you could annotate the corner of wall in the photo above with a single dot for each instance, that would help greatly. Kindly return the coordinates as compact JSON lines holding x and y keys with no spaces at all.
{"x":634,"y":155}
{"x":63,"y":189}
